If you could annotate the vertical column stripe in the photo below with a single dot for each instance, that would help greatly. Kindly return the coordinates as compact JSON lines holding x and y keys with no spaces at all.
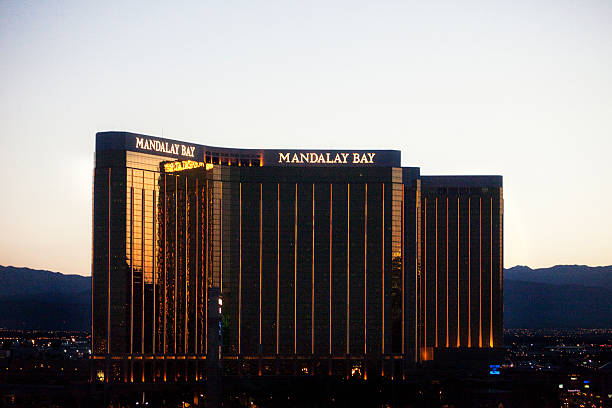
{"x":143,"y":273}
{"x":491,"y":277}
{"x":417,"y":271}
{"x":205,"y":286}
{"x":295,"y":213}
{"x":221,"y":236}
{"x":469,"y":271}
{"x":500,"y":244}
{"x":154,"y":304}
{"x":142,"y":268}
{"x":176,"y":181}
{"x":365,"y":274}
{"x":196,"y":349}
{"x":277,"y":264}
{"x":331,"y":219}
{"x":447,"y":334}
{"x":458,"y":269}
{"x":108,"y":280}
{"x":260,"y":256}
{"x":186,"y":331}
{"x":131,"y":267}
{"x":312,"y":284}
{"x":164,"y":350}
{"x":383,"y":275}
{"x":239,"y":267}
{"x":425,"y":273}
{"x":480,"y":272}
{"x":403,"y":277}
{"x":436,"y":280}
{"x":348,"y":265}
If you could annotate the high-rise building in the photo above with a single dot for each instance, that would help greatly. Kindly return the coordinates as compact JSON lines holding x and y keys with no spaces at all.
{"x":321,"y":262}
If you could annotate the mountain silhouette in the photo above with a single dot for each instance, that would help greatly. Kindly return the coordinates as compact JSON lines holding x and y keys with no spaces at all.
{"x":562,"y":296}
{"x":593,"y":276}
{"x":43,"y":300}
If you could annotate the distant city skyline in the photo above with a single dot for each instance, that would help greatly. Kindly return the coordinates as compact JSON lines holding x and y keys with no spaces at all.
{"x":518,"y":89}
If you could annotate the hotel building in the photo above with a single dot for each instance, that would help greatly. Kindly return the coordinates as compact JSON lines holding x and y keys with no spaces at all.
{"x":286,"y":262}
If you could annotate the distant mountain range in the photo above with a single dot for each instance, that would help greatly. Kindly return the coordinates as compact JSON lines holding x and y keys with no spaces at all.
{"x":562,"y":296}
{"x":593,"y":276}
{"x":44,"y":300}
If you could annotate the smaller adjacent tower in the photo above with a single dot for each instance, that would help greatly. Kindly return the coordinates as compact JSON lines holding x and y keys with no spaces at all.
{"x":461,"y":303}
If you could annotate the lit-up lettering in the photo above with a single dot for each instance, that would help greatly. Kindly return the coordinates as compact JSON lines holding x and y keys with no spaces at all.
{"x":367,"y":158}
{"x":184,"y":165}
{"x":165,"y":147}
{"x":326,"y":158}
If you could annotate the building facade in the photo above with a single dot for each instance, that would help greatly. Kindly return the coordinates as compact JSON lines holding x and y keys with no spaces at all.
{"x":279,"y":262}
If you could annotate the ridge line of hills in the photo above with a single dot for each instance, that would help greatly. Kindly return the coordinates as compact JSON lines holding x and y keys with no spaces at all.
{"x":561,"y":296}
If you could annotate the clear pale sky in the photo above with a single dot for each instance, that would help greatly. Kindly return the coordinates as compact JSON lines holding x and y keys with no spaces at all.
{"x":517,"y":88}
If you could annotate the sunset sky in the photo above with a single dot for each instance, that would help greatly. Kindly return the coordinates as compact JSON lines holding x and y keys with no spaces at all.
{"x":522,"y":89}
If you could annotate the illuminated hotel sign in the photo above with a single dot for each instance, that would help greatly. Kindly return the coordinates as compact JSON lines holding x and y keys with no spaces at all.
{"x":177,"y":149}
{"x":327,"y":158}
{"x":184,"y":165}
{"x":332,"y":158}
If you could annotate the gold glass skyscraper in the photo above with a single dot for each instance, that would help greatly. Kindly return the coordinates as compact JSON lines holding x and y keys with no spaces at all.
{"x":322,"y":262}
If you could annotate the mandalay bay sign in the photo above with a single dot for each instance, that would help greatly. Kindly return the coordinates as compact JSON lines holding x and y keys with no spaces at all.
{"x":165,"y":147}
{"x":326,"y":158}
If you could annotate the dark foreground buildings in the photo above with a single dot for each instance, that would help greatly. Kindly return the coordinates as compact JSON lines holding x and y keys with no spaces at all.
{"x":337,"y":263}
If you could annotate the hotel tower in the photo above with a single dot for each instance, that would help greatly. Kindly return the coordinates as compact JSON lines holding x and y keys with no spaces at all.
{"x":286,"y":262}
